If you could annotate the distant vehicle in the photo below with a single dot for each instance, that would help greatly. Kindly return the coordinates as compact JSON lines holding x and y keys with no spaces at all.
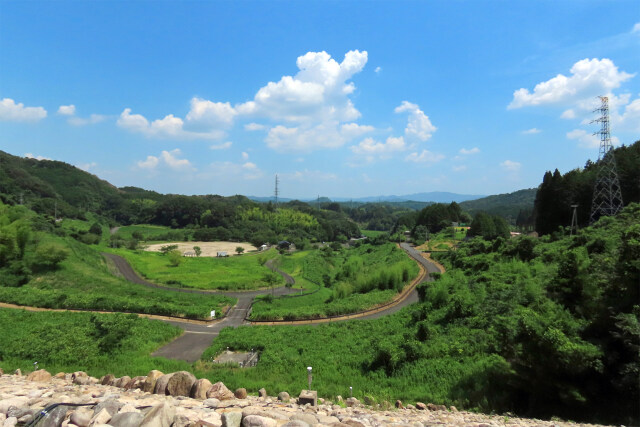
{"x":284,"y":244}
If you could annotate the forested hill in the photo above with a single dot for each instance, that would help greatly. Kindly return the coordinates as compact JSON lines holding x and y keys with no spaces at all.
{"x":559,"y":191}
{"x":506,"y":205}
{"x":52,"y":187}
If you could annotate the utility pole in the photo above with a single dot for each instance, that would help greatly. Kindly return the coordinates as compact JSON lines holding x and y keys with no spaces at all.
{"x":574,"y":220}
{"x":277,"y":191}
{"x":607,"y":197}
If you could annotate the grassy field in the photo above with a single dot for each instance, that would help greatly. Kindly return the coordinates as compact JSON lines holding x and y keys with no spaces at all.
{"x":349,"y":281}
{"x":372,"y":233}
{"x":152,"y":233}
{"x":84,"y":281}
{"x":244,"y":272}
{"x":97,"y":343}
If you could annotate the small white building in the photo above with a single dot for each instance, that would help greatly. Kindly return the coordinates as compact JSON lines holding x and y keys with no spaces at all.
{"x":189,"y":254}
{"x":264,"y":247}
{"x":222,"y":254}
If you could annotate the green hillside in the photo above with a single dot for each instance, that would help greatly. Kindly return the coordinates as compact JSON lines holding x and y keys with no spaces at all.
{"x":507,"y":205}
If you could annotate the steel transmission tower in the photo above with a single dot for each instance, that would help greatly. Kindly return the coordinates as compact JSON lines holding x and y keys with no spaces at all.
{"x":277,"y":191}
{"x":607,"y":197}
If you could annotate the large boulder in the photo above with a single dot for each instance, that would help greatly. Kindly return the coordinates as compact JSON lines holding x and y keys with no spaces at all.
{"x":283,"y":396}
{"x":161,"y":384}
{"x":112,"y":406}
{"x":200,"y":388}
{"x":150,"y":383}
{"x":180,"y":384}
{"x":258,"y":421}
{"x":121,"y":382}
{"x":240,"y":393}
{"x":262,"y":393}
{"x":220,"y":392}
{"x":100,"y":417}
{"x":40,"y":376}
{"x":231,"y":419}
{"x":81,"y":417}
{"x":135,"y":383}
{"x":108,"y":379}
{"x":127,"y":419}
{"x":159,"y":416}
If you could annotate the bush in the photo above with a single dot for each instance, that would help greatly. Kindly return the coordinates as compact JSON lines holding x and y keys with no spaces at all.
{"x":175,"y":257}
{"x":49,"y":255}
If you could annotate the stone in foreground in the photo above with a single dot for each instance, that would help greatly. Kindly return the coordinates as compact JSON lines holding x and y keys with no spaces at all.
{"x":308,"y":396}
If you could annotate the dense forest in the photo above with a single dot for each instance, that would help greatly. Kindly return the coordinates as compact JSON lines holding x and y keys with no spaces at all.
{"x":559,"y":191}
{"x":56,"y":188}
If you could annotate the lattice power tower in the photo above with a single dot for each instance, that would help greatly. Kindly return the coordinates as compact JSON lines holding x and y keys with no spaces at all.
{"x":607,"y":197}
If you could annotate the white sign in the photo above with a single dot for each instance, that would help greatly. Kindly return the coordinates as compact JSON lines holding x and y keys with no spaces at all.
{"x":213,"y":314}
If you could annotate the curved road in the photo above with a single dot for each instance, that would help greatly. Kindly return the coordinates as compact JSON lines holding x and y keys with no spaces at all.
{"x":198,"y":337}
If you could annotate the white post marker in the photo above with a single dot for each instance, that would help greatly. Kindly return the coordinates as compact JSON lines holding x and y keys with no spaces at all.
{"x":350,"y":391}
{"x":213,"y":314}
{"x":309,"y":376}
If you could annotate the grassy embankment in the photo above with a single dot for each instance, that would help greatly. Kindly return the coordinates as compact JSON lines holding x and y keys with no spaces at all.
{"x":96,"y":343}
{"x":349,"y":281}
{"x":244,"y":272}
{"x":79,"y":277}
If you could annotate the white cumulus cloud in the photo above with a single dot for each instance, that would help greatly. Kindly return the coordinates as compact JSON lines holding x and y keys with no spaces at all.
{"x":92,"y":119}
{"x":245,"y":155}
{"x":371,"y":147}
{"x":531,"y":131}
{"x":168,"y":127}
{"x":419,"y":124}
{"x":568,"y":114}
{"x":474,"y":150}
{"x":207,"y":115}
{"x":86,"y":166}
{"x":306,"y":139}
{"x":12,"y":112}
{"x":424,"y":157}
{"x":67,"y":110}
{"x":31,"y":156}
{"x":636,"y":28}
{"x":589,"y":77}
{"x":511,"y":166}
{"x":254,"y":127}
{"x":169,"y":159}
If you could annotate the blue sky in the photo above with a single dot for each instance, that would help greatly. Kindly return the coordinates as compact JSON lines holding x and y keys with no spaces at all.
{"x":343,"y":99}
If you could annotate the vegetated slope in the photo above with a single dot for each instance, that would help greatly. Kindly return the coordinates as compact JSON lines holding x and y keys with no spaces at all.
{"x":558,"y":191}
{"x":541,"y":328}
{"x":350,"y":280}
{"x":41,"y":266}
{"x":99,"y":343}
{"x":507,"y":205}
{"x":42,"y":185}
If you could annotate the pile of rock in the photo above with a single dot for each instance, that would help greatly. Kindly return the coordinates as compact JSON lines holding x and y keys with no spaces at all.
{"x":180,"y":400}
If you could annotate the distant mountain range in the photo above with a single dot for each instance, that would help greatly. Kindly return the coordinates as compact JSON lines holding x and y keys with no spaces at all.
{"x":433,"y":196}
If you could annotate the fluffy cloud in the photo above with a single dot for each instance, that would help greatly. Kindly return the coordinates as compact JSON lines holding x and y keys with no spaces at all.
{"x":629,"y":118}
{"x":12,"y":112}
{"x":377,"y":70}
{"x":419,"y":124}
{"x":585,"y":139}
{"x":510,"y":166}
{"x":589,"y":77}
{"x":568,"y":114}
{"x":31,"y":156}
{"x":245,"y":155}
{"x":636,"y":28}
{"x":230,"y":170}
{"x":317,"y":94}
{"x":370,"y":148}
{"x":254,"y":127}
{"x":67,"y":110}
{"x":210,"y":115}
{"x":531,"y":131}
{"x":306,"y":139}
{"x":424,"y":157}
{"x":222,"y":146}
{"x":168,"y":127}
{"x":167,"y":158}
{"x":87,"y":166}
{"x":474,"y":150}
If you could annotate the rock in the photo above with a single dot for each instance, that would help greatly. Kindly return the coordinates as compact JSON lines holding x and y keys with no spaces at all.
{"x":111,"y":405}
{"x":128,"y":408}
{"x":108,"y":379}
{"x":327,"y":419}
{"x":352,"y":402}
{"x":81,"y":417}
{"x":150,"y":383}
{"x":80,"y":380}
{"x":77,"y":374}
{"x":211,"y":403}
{"x":3,"y":417}
{"x":210,"y":419}
{"x":368,"y":400}
{"x":181,"y":421}
{"x":283,"y":396}
{"x":20,"y":412}
{"x":262,"y":393}
{"x":307,"y":418}
{"x":161,"y":384}
{"x":220,"y":392}
{"x":18,"y":402}
{"x":421,"y":406}
{"x":100,"y":417}
{"x":159,"y":416}
{"x":180,"y":384}
{"x":1,"y":372}
{"x":339,"y":399}
{"x":231,"y":419}
{"x":399,"y":404}
{"x":308,"y":396}
{"x":40,"y":375}
{"x":10,"y":422}
{"x":200,"y":388}
{"x":17,"y":372}
{"x":60,"y":375}
{"x":258,"y":421}
{"x":121,"y":382}
{"x":55,"y":417}
{"x":240,"y":393}
{"x":453,"y":409}
{"x":352,"y":422}
{"x":295,"y":423}
{"x":410,"y":406}
{"x":127,"y":419}
{"x":264,"y":412}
